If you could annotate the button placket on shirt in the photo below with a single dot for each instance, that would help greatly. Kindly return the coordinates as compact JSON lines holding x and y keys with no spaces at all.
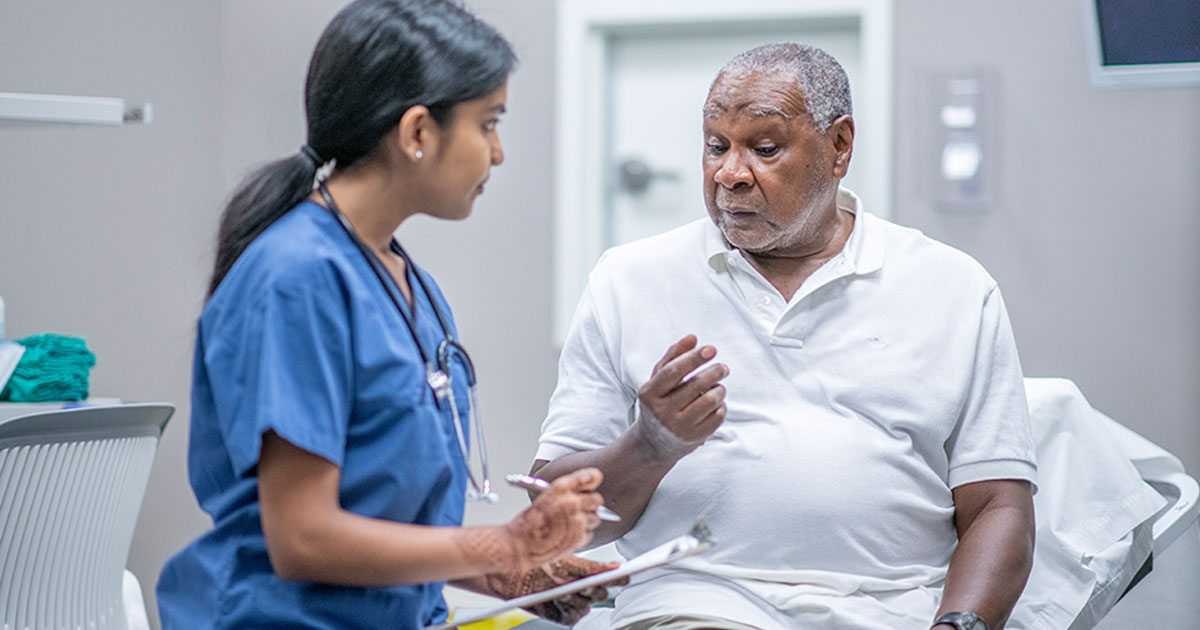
{"x":792,"y":328}
{"x":786,"y":324}
{"x":759,"y":296}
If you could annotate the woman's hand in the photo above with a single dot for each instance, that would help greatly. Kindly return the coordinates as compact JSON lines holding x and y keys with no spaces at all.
{"x":560,"y":521}
{"x":567,"y":609}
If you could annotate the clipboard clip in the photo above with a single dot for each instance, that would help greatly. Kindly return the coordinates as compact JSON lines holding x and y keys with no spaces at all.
{"x":698,"y":540}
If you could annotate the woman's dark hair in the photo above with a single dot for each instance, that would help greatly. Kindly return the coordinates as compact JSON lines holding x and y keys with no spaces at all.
{"x":375,"y":60}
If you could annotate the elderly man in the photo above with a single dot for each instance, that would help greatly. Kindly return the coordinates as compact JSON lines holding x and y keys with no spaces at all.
{"x":862,"y":450}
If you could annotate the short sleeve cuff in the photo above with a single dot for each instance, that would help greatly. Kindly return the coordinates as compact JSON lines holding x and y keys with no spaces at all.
{"x":992,"y":470}
{"x":551,"y":451}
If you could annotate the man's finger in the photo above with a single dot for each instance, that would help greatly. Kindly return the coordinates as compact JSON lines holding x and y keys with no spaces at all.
{"x":713,"y":419}
{"x":679,"y":347}
{"x":670,"y":375}
{"x":701,"y":383}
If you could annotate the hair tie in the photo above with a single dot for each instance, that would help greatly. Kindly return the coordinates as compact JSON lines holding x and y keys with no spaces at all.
{"x":312,"y":155}
{"x":323,"y":169}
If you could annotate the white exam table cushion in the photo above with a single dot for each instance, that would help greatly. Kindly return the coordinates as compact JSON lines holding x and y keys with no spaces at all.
{"x":1094,"y":511}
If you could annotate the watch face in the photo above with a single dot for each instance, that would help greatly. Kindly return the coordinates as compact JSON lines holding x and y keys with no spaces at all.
{"x":963,"y":621}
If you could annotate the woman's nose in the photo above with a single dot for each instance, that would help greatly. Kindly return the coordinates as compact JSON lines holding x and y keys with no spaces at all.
{"x":497,"y":152}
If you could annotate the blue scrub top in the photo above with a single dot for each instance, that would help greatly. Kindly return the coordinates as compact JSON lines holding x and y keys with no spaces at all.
{"x":301,"y":338}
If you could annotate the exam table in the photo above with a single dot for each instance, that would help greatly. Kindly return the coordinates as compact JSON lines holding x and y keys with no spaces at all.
{"x":1132,"y":562}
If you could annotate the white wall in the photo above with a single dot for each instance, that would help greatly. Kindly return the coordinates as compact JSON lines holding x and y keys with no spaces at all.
{"x":108,"y":233}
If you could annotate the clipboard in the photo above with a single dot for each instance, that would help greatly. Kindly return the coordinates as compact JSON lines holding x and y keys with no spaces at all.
{"x":696,"y":541}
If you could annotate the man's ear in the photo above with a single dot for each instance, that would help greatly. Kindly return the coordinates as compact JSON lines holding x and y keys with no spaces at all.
{"x":842,"y":134}
{"x":417,"y":133}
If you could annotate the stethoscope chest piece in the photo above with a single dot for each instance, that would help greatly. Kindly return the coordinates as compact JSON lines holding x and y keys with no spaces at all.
{"x":439,"y":383}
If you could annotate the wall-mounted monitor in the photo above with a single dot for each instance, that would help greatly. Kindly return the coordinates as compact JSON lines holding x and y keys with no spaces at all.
{"x":1143,"y":43}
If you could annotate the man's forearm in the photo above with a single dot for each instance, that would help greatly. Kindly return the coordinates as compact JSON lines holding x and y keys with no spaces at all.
{"x":989,"y":568}
{"x":632,"y":471}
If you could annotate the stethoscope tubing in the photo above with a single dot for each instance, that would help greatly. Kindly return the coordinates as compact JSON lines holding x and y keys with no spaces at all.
{"x":439,"y":368}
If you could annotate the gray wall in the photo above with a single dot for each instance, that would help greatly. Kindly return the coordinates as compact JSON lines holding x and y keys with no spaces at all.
{"x":495,"y":267}
{"x":1094,"y":242}
{"x":104,"y":232}
{"x":107,"y":233}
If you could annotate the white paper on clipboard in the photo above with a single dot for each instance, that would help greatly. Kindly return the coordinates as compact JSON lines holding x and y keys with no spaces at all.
{"x":670,"y":551}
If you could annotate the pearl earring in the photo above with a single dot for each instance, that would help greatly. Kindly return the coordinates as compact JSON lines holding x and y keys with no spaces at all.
{"x":419,"y":155}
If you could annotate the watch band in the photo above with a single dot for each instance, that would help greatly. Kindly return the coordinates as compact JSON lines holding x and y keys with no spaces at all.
{"x":962,"y":621}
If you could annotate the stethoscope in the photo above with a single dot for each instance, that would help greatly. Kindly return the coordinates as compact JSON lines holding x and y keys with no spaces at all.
{"x":437,"y":371}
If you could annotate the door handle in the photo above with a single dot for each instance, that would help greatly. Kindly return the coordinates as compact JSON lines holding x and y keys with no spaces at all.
{"x":634,"y":176}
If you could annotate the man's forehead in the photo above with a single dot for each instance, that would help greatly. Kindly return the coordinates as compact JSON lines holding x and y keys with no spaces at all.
{"x":757,"y":94}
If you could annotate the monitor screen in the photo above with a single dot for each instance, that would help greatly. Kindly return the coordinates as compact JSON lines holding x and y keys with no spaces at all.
{"x":1136,"y":43}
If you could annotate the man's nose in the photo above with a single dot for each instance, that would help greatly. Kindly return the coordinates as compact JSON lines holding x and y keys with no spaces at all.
{"x":733,"y":171}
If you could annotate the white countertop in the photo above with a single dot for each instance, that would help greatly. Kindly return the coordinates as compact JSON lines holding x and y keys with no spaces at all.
{"x":12,"y":410}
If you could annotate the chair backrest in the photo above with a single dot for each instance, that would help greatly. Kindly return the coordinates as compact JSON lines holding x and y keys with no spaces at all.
{"x":71,"y":485}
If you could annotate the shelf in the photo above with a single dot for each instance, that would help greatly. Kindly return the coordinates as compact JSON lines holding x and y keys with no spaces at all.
{"x":69,"y":110}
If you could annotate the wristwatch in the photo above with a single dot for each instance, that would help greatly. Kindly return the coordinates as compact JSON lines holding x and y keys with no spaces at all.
{"x":962,"y":621}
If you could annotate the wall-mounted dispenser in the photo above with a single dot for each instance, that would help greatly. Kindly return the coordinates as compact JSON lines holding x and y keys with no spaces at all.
{"x":963,"y":162}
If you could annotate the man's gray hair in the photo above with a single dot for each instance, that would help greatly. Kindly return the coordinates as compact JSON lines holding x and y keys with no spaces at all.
{"x":821,"y":78}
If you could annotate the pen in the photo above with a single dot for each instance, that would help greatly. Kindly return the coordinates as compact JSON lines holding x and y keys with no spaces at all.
{"x":539,"y":485}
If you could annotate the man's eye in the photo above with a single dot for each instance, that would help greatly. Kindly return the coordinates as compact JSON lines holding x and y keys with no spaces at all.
{"x":714,"y":149}
{"x":767,"y":151}
{"x":490,"y":125}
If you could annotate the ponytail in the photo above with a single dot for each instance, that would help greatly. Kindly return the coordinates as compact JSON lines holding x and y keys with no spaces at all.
{"x":375,"y":60}
{"x":260,"y":200}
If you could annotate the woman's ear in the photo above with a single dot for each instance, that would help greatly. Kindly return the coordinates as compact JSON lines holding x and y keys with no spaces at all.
{"x":417,"y":133}
{"x":842,"y":133}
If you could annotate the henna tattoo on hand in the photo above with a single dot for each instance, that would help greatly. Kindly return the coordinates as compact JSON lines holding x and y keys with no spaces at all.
{"x":567,"y":609}
{"x":489,"y":548}
{"x":547,"y":530}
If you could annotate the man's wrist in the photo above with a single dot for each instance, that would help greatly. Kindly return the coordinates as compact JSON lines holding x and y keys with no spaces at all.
{"x":657,"y":443}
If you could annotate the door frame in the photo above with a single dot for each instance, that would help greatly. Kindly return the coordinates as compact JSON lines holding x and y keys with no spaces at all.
{"x":585,"y":28}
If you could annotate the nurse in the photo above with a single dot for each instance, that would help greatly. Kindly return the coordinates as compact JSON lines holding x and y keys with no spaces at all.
{"x":332,"y":469}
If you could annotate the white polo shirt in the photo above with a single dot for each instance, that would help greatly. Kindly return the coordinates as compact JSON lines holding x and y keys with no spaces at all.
{"x":890,"y":377}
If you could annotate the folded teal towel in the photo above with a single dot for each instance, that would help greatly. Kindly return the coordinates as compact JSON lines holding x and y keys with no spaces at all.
{"x":53,"y":368}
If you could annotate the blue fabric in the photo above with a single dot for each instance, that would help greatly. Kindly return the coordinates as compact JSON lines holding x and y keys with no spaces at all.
{"x":301,"y":339}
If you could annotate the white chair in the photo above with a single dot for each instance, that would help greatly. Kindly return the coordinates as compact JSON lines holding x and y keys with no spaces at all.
{"x":71,"y":485}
